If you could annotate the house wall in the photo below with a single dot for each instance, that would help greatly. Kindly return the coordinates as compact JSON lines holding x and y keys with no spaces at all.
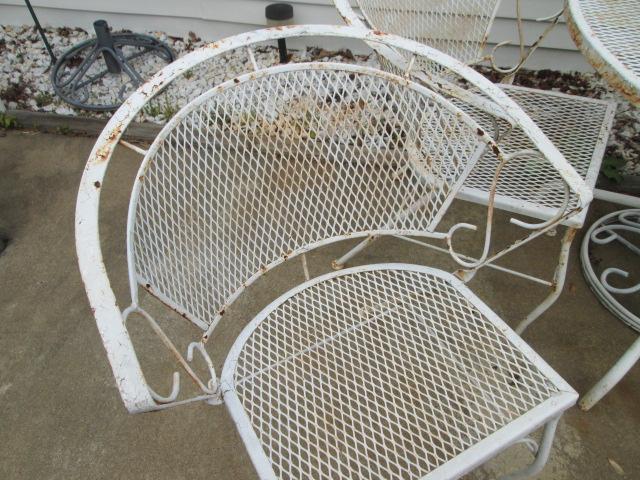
{"x":214,"y":19}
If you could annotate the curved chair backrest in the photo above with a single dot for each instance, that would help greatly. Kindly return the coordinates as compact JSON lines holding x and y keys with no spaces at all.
{"x":457,"y":27}
{"x":276,"y":162}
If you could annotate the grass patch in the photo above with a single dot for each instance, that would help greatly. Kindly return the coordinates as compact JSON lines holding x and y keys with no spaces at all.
{"x":43,"y":99}
{"x":7,"y":121}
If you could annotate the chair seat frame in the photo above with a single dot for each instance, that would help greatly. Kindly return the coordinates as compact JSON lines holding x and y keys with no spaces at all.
{"x":546,"y":414}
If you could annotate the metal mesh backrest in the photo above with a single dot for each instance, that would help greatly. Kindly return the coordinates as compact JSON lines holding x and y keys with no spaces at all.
{"x":456,"y":27}
{"x":269,"y":164}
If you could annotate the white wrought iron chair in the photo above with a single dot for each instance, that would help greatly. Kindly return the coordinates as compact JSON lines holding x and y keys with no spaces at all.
{"x":388,"y":370}
{"x":578,"y":126}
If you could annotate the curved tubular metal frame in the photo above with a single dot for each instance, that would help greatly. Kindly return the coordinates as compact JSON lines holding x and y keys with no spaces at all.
{"x":605,"y":293}
{"x":126,"y":368}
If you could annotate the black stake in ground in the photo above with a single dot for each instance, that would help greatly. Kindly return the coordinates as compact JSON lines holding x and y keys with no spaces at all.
{"x":280,"y":14}
{"x":104,"y":42}
{"x":52,"y":56}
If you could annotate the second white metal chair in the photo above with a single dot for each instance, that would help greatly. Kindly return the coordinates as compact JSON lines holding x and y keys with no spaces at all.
{"x":578,"y":126}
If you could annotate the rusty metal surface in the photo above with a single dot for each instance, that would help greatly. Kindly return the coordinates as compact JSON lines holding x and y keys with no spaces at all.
{"x":615,"y":57}
{"x":309,"y":368}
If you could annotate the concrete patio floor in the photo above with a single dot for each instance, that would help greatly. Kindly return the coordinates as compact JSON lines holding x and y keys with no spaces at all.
{"x":61,"y":416}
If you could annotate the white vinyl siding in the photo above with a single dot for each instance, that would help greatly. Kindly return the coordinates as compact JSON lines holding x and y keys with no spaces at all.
{"x":214,"y":19}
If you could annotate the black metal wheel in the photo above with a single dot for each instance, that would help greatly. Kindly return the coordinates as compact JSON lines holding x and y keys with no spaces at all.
{"x":100,"y":73}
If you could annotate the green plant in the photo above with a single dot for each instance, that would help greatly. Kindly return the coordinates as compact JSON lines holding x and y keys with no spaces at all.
{"x":612,"y":168}
{"x":169,"y":110}
{"x":7,"y":121}
{"x":165,"y":110}
{"x":153,"y":110}
{"x":63,"y":130}
{"x":43,"y":99}
{"x":189,"y":74}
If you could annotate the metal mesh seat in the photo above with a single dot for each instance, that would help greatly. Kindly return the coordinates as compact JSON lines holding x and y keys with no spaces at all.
{"x":579,"y":128}
{"x":386,"y":371}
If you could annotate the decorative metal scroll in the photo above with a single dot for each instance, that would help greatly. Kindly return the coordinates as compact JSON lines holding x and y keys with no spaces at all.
{"x":622,"y":227}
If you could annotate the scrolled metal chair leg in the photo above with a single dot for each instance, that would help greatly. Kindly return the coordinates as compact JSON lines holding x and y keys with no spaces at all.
{"x":559,"y":277}
{"x":542,"y":454}
{"x":612,"y":377}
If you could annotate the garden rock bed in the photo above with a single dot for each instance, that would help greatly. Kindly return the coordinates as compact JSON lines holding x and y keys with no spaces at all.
{"x":25,"y":84}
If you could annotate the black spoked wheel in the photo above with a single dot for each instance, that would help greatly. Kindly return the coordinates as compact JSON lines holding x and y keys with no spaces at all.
{"x":99,"y":74}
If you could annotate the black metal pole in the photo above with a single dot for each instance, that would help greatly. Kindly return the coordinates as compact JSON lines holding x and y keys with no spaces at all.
{"x":282,"y":48}
{"x":104,"y":40}
{"x":41,"y":32}
{"x":280,"y":14}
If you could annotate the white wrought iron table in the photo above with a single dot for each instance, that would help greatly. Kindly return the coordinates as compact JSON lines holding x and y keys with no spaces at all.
{"x":608,"y":34}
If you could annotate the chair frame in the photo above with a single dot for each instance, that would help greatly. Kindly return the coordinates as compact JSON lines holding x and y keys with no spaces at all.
{"x":135,"y":392}
{"x":572,"y":223}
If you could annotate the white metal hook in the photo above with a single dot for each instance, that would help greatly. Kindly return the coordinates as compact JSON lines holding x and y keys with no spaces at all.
{"x":565,"y":202}
{"x":485,"y":251}
{"x":603,"y":235}
{"x":604,"y":278}
{"x":612,"y":235}
{"x":175,"y":389}
{"x":212,"y":384}
{"x":175,"y":384}
{"x":510,"y":72}
{"x":625,"y":217}
{"x":210,"y":388}
{"x":557,"y":217}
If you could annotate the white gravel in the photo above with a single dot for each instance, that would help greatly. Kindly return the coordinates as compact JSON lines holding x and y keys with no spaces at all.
{"x":25,"y":83}
{"x":24,"y":64}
